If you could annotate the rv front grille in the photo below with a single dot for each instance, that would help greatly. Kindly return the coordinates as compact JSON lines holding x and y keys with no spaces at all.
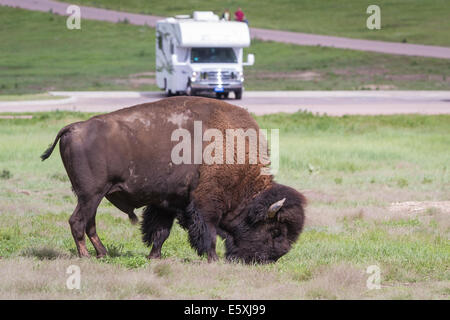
{"x":223,"y":75}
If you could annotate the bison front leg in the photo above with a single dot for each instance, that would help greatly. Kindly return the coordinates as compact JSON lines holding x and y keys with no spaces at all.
{"x":211,"y":253}
{"x":202,"y":232}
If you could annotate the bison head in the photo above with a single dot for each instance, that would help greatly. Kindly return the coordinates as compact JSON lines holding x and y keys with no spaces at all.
{"x":266,"y":227}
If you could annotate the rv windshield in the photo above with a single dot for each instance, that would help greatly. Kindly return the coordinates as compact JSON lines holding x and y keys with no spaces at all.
{"x":213,"y":55}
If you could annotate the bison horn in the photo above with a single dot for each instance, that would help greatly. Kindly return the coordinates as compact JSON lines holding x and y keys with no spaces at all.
{"x":275,"y":207}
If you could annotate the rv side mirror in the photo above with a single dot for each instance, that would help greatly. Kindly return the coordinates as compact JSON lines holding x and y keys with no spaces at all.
{"x":250,"y":60}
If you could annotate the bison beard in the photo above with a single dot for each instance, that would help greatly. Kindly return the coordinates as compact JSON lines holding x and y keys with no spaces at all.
{"x":125,"y":156}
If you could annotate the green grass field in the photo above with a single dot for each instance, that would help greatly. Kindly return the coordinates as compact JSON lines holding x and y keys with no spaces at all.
{"x":39,"y":54}
{"x":413,"y":21}
{"x":351,"y":169}
{"x":30,"y":97}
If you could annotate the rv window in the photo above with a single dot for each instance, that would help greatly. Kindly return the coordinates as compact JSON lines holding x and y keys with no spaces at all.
{"x":213,"y":55}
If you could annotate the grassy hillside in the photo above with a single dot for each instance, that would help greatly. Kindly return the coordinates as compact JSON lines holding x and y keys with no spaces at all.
{"x":351,"y":169}
{"x":39,"y":54}
{"x":412,"y":21}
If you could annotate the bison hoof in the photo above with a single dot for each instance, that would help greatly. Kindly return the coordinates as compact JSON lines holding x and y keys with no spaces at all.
{"x":99,"y":256}
{"x":84,"y":254}
{"x":212,"y":257}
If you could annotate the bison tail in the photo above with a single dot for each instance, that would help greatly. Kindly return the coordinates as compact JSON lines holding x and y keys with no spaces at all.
{"x":49,"y":150}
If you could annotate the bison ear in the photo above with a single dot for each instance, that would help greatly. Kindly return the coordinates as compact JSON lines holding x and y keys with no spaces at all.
{"x":275,"y":207}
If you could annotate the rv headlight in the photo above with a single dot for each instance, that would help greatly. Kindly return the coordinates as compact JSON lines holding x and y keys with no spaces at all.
{"x":194,"y":76}
{"x":241,"y":76}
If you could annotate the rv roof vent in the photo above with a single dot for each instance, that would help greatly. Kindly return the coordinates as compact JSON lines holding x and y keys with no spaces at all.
{"x":182,"y":16}
{"x":205,"y":16}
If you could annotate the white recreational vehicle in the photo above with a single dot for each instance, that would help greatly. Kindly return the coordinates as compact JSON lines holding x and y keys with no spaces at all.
{"x":201,"y":55}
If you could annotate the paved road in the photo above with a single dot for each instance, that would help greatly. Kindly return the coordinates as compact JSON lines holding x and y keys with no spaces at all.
{"x":264,"y":34}
{"x":261,"y":102}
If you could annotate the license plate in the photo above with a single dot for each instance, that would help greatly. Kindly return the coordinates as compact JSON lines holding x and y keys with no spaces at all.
{"x":218,"y":89}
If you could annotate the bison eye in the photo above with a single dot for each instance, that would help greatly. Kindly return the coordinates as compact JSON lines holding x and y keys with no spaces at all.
{"x":275,"y":233}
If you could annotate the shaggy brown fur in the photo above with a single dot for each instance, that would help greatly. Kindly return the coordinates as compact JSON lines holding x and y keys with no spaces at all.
{"x":125,"y":156}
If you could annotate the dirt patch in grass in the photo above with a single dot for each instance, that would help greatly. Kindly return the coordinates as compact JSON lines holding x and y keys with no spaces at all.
{"x":301,"y":75}
{"x":377,"y":74}
{"x":333,"y":218}
{"x":334,"y":205}
{"x":362,"y":71}
{"x":318,"y":196}
{"x":377,"y":87}
{"x":418,"y":77}
{"x":419,"y":290}
{"x":44,"y":253}
{"x":437,"y":212}
{"x":149,"y":74}
{"x":342,"y":281}
{"x":373,"y":71}
{"x":420,"y":206}
{"x":134,"y":83}
{"x":137,"y":80}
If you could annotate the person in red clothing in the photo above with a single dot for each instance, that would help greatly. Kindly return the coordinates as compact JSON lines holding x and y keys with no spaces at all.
{"x":240,"y":16}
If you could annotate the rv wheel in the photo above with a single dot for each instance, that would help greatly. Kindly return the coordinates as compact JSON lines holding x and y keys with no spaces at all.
{"x":189,"y":91}
{"x":168,"y":91}
{"x":238,"y":94}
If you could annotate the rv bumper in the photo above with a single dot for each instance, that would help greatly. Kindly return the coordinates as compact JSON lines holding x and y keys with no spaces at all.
{"x":213,"y":87}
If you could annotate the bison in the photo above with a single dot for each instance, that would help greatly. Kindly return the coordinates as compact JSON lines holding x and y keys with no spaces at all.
{"x":126,"y":156}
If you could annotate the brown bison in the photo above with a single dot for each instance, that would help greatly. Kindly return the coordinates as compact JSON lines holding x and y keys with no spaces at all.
{"x":127,"y":157}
